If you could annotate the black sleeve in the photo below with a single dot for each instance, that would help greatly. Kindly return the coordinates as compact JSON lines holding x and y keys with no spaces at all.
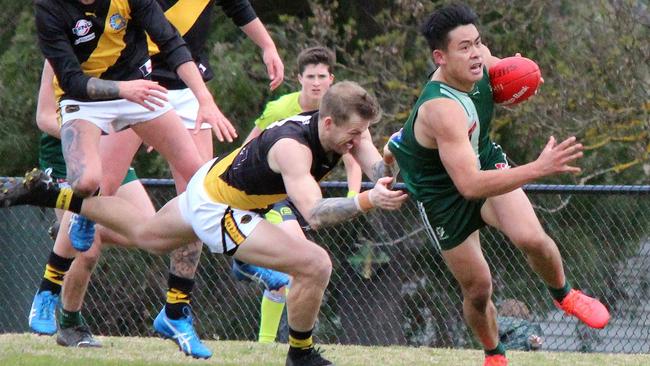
{"x":240,"y":11}
{"x":56,"y":48}
{"x":172,"y":46}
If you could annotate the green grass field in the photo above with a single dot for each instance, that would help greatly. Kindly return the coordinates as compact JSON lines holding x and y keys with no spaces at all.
{"x":32,"y":350}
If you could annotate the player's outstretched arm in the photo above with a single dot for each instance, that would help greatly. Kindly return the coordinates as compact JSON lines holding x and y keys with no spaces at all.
{"x":371,"y":161}
{"x":438,"y":121}
{"x":305,"y":193}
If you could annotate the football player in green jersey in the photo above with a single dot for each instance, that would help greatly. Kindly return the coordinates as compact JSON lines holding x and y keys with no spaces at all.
{"x":461,"y":180}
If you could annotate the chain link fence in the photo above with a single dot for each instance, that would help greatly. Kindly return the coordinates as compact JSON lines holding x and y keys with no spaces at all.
{"x":389,"y":284}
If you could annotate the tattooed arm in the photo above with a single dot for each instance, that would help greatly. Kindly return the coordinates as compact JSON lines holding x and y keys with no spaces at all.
{"x":371,"y":161}
{"x":102,"y":89}
{"x":305,"y":193}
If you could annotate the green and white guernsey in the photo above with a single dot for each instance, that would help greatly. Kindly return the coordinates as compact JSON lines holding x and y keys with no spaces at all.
{"x":448,"y":216}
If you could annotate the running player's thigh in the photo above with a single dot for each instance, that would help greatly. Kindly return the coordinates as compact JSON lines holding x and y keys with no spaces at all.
{"x":203,"y":142}
{"x":292,"y":227}
{"x":511,"y":213}
{"x":117,"y":151}
{"x":169,"y":137}
{"x":166,"y":230}
{"x":80,"y":145}
{"x":271,"y":247}
{"x":467,"y":263}
{"x":135,"y":193}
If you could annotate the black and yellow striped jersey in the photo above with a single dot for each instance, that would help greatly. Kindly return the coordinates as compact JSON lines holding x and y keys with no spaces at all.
{"x":193,"y":19}
{"x":105,"y":39}
{"x":243,"y":178}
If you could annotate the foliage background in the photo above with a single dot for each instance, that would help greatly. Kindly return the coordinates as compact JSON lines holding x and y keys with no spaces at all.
{"x":593,"y":55}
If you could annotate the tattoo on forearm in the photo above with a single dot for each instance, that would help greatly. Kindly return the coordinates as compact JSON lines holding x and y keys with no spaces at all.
{"x":72,"y":153}
{"x":330,"y":211}
{"x":102,"y":89}
{"x":184,"y":261}
{"x":379,"y":169}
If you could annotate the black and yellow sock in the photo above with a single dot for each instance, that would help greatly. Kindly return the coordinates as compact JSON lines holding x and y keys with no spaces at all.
{"x":560,"y":293}
{"x":179,"y":295}
{"x":499,"y":350}
{"x":55,"y":269}
{"x":300,"y":343}
{"x":69,"y":319}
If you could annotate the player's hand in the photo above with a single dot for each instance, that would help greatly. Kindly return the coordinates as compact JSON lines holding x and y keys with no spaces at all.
{"x":382,"y":196}
{"x":541,"y":79}
{"x":146,"y":93}
{"x":221,"y":126}
{"x":555,"y":158}
{"x":274,"y":67}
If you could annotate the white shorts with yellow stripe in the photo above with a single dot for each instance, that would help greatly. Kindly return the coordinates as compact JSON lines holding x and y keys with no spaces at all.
{"x":219,"y":226}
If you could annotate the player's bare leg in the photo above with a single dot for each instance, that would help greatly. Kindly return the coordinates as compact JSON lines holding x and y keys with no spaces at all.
{"x":176,"y":319}
{"x":80,"y":141}
{"x":469,"y":267}
{"x":513,"y":214}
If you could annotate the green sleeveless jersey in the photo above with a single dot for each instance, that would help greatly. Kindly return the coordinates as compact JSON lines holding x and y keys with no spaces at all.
{"x":421,"y":168}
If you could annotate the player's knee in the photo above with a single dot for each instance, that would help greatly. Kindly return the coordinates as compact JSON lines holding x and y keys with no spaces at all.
{"x":479,"y":294}
{"x":88,"y":259}
{"x":85,"y":185}
{"x":316,"y":265}
{"x":533,"y":241}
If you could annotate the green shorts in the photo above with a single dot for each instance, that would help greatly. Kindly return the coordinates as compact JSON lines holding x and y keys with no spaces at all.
{"x":130,"y":176}
{"x":449,"y":220}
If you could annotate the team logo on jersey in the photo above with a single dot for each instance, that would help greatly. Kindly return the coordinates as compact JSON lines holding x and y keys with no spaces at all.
{"x":501,"y":165}
{"x":82,"y":27}
{"x":117,"y":21}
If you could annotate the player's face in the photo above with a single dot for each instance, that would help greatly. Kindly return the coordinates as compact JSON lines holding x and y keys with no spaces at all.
{"x":463,"y":60}
{"x":315,"y":81}
{"x":342,"y":139}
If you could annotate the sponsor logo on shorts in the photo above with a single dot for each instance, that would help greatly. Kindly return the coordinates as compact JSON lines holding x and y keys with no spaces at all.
{"x":71,"y":108}
{"x":246,"y":219}
{"x":117,"y":22}
{"x":440,"y":233}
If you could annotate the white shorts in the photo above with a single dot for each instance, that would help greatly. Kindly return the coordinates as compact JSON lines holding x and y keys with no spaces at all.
{"x":110,"y":115}
{"x":186,"y":106}
{"x":219,"y":226}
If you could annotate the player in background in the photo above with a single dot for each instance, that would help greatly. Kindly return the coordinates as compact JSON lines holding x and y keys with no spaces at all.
{"x":222,"y":202}
{"x":64,"y":264}
{"x":315,"y":75}
{"x":461,"y":180}
{"x":193,"y":22}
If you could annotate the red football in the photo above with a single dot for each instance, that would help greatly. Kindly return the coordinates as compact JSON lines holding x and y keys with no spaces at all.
{"x":514,"y":79}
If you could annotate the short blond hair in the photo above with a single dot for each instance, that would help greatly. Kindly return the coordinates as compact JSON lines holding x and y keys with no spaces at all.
{"x":346,"y":98}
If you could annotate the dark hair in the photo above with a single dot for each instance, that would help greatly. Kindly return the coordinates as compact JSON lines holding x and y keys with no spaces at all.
{"x":314,"y":56}
{"x":437,"y":26}
{"x":346,"y":98}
